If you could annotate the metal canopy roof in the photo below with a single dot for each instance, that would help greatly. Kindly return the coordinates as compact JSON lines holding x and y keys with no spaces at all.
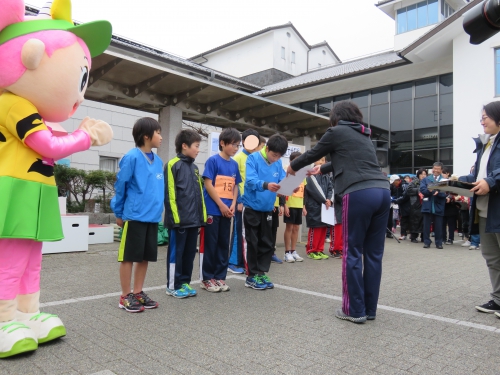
{"x":133,"y":77}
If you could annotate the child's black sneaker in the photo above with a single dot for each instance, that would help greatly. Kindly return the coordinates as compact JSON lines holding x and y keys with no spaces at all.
{"x":145,"y":301}
{"x":130,"y":303}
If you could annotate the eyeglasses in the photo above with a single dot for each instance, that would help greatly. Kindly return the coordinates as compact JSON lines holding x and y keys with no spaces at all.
{"x":483,"y":119}
{"x":236,"y":145}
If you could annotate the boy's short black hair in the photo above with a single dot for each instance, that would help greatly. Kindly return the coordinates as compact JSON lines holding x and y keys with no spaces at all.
{"x":277,"y":143}
{"x":445,"y":171}
{"x":229,"y":135}
{"x":186,"y":136}
{"x":144,"y":127}
{"x":294,"y":155}
{"x":248,"y":132}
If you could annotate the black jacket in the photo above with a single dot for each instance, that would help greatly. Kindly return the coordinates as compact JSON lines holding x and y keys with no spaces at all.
{"x":318,"y":190}
{"x":184,"y":202}
{"x":354,"y":161}
{"x":402,"y":199}
{"x":416,"y":218}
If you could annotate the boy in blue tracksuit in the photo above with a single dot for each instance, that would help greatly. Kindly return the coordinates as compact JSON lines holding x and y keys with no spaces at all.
{"x":138,"y":208}
{"x":264,"y":171}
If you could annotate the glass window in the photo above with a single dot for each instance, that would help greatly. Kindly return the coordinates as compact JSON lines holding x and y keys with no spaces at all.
{"x":361,"y":98}
{"x":432,"y":12}
{"x":422,"y":14}
{"x":401,"y":123}
{"x":401,"y":20}
{"x":497,"y":72}
{"x":341,"y":98}
{"x":108,"y":164}
{"x":425,"y":158}
{"x":426,"y":121}
{"x":446,"y":156}
{"x":425,"y":87}
{"x":364,"y":112}
{"x":379,"y":121}
{"x":283,"y":52}
{"x":380,"y":95}
{"x":293,"y":57}
{"x":411,"y":17}
{"x":325,"y":106}
{"x":400,"y":161}
{"x":401,"y":92}
{"x":309,"y":106}
{"x":446,"y":84}
{"x":446,"y":120}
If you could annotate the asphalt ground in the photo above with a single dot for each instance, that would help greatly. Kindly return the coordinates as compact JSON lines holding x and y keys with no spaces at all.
{"x":426,"y":322}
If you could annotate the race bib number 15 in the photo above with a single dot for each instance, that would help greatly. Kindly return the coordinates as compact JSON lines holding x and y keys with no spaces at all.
{"x":224,"y":186}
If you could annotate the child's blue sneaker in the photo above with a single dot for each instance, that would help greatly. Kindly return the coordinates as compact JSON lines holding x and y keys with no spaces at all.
{"x":235,"y":269}
{"x":267,"y":280}
{"x":255,"y":282}
{"x":275,"y":259}
{"x":177,"y":293}
{"x":187,"y":288}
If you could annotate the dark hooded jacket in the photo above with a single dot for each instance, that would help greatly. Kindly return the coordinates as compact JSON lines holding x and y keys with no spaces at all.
{"x":353,"y":159}
{"x":493,"y":180}
{"x":412,"y":193}
{"x":401,"y":198}
{"x":318,"y":190}
{"x":184,"y":202}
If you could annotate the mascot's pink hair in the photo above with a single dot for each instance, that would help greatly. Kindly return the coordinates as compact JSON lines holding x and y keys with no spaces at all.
{"x":11,"y":66}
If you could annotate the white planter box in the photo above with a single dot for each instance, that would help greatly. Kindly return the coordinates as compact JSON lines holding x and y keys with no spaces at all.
{"x":100,"y":234}
{"x":76,"y":236}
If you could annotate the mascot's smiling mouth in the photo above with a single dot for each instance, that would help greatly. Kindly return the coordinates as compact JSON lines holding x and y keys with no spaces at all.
{"x":75,"y":107}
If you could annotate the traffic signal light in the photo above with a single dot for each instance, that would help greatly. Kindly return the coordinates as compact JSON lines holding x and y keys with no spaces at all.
{"x":482,"y":21}
{"x":382,"y":151}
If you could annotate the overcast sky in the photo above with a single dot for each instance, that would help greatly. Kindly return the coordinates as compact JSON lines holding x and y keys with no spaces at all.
{"x":187,"y":27}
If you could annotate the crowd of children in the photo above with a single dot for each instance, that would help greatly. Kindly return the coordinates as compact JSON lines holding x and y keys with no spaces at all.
{"x":238,"y":188}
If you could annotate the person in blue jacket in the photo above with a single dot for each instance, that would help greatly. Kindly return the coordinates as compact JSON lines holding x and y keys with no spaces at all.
{"x":433,"y":207}
{"x":485,"y":205}
{"x":138,"y":207}
{"x":264,"y":171}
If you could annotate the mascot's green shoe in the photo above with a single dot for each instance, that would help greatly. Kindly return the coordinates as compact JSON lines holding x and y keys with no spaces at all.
{"x":16,"y":338}
{"x":47,"y":327}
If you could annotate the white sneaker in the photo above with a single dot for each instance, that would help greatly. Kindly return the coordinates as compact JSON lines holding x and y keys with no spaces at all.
{"x":47,"y":327}
{"x":289,"y":258}
{"x":16,"y":338}
{"x":296,"y":257}
{"x":210,"y":286}
{"x":328,"y":240}
{"x":472,"y":247}
{"x":466,"y":244}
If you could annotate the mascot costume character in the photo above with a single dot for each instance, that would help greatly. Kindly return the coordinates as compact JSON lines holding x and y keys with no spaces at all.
{"x":44,"y":71}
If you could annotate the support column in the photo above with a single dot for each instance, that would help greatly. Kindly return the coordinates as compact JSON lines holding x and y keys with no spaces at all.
{"x":303,"y":141}
{"x":170,"y":120}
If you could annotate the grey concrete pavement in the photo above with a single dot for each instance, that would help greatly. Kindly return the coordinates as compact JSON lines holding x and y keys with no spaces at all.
{"x":428,"y":324}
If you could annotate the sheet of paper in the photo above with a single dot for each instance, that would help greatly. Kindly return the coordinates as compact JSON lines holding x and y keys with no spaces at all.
{"x":290,"y":183}
{"x":328,"y":215}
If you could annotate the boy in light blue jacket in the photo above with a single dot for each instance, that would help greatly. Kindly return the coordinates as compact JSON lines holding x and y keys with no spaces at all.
{"x":264,"y":171}
{"x":138,"y":207}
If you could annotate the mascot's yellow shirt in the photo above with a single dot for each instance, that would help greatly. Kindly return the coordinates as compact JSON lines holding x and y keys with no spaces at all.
{"x":18,"y":119}
{"x":28,"y":206}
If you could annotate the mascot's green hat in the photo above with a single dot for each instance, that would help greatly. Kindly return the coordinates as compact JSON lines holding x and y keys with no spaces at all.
{"x":57,"y":16}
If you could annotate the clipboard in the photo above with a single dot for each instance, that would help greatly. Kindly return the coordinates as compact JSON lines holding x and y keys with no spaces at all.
{"x":455,"y":187}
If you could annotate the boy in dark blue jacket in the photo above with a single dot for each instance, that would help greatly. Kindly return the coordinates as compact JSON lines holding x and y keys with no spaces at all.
{"x":264,"y":172}
{"x":185,"y":213}
{"x":138,"y":208}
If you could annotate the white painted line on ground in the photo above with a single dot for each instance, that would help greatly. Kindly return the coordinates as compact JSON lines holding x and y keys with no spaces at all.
{"x":297,"y":290}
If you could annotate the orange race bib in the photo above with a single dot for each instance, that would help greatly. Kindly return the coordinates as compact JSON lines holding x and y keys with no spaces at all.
{"x":224,"y":186}
{"x":300,"y":192}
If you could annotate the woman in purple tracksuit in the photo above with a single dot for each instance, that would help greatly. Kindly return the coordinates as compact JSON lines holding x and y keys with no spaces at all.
{"x":366,"y":201}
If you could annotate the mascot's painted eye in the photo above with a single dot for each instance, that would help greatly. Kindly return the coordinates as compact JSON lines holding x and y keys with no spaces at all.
{"x":84,"y":78}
